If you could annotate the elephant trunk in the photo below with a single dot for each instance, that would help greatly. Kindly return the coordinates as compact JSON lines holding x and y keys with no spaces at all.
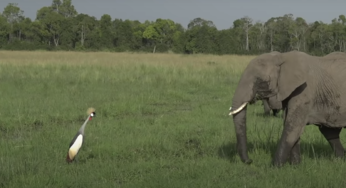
{"x":243,"y":95}
{"x":239,"y":120}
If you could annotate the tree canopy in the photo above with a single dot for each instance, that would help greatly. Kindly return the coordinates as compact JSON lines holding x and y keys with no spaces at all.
{"x":61,"y":27}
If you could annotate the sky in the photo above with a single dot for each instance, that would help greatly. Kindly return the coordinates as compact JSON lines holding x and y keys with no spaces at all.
{"x":221,"y":12}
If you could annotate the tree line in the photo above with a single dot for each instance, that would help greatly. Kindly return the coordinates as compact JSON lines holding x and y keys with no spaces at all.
{"x":60,"y":27}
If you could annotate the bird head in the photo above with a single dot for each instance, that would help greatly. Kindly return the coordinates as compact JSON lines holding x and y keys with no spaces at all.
{"x":92,"y":114}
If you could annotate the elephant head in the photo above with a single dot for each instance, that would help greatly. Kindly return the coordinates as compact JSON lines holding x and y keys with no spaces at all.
{"x":271,"y":75}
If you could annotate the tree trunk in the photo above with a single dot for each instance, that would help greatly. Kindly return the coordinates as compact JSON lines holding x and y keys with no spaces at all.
{"x":247,"y":39}
{"x":82,"y":36}
{"x":154,"y":49}
{"x":11,"y":33}
{"x":56,"y":40}
{"x":271,"y":41}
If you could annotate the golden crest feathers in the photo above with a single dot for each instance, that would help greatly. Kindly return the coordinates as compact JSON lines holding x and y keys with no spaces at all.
{"x":90,"y":110}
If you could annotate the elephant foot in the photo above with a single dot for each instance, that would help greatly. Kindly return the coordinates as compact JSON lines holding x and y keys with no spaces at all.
{"x":248,"y":161}
{"x":340,"y":153}
{"x":295,"y":158}
{"x":295,"y":154}
{"x":277,"y":164}
{"x":295,"y":162}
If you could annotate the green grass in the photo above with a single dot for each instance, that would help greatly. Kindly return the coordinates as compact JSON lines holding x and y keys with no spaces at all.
{"x":157,"y":124}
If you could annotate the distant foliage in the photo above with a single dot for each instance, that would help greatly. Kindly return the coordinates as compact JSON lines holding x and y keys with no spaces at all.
{"x":60,"y":27}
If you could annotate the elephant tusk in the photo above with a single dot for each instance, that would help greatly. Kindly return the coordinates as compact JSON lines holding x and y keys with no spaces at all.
{"x":239,"y":109}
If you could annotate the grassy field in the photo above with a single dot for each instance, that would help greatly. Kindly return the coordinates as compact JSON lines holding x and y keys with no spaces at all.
{"x":162,"y":121}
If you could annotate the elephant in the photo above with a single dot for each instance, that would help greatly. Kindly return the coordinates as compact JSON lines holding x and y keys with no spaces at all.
{"x":267,"y":108}
{"x":335,"y":55}
{"x":311,"y":90}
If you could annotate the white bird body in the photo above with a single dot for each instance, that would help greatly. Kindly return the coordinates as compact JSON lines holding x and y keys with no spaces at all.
{"x":72,"y":152}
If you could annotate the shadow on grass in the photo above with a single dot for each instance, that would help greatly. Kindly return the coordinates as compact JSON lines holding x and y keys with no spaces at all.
{"x":310,"y":150}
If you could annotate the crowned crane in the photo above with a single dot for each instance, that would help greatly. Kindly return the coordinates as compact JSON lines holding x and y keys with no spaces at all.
{"x":77,"y":141}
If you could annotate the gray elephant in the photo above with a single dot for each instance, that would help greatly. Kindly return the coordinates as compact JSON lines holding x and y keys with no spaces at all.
{"x":267,"y":108}
{"x":311,"y":90}
{"x":335,"y":55}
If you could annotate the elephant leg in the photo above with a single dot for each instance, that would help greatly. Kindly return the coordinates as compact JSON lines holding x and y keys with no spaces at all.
{"x":295,"y":153}
{"x":266,"y":107}
{"x":275,"y":112}
{"x":293,"y":127}
{"x":332,"y":136}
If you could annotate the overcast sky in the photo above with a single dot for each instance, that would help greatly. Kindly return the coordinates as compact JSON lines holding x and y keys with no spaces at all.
{"x":221,"y":12}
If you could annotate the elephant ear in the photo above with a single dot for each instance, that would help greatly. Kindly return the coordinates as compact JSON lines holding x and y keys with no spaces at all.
{"x":291,"y":76}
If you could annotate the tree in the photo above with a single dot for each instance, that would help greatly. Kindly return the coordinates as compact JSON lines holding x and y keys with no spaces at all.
{"x":23,"y":29}
{"x":59,"y":26}
{"x":247,"y":24}
{"x":271,"y":30}
{"x":339,"y":32}
{"x":161,"y":32}
{"x":151,"y":35}
{"x":226,"y":42}
{"x":200,"y":22}
{"x":128,"y":34}
{"x":323,"y":38}
{"x":14,"y":15}
{"x":257,"y":35}
{"x":178,"y":39}
{"x":56,"y":5}
{"x":243,"y":25}
{"x":279,"y":33}
{"x":4,"y":30}
{"x":83,"y":26}
{"x":65,"y":8}
{"x":52,"y":22}
{"x":201,"y":37}
{"x":297,"y":31}
{"x":106,"y":32}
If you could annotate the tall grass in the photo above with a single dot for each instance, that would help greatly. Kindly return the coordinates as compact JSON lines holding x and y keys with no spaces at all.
{"x":161,"y":122}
